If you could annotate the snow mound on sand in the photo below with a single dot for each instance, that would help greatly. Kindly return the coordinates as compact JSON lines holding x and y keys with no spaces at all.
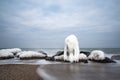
{"x":61,"y":57}
{"x":97,"y":55}
{"x":82,"y":56}
{"x":13,"y":50}
{"x":5,"y":54}
{"x":30,"y":54}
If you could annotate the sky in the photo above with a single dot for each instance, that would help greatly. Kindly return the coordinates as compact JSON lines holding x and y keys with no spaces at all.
{"x":46,"y":23}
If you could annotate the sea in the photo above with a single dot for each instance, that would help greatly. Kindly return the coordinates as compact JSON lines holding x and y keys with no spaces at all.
{"x":52,"y":51}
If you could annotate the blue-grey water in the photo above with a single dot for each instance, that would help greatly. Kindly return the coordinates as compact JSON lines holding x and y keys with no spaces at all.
{"x":51,"y":51}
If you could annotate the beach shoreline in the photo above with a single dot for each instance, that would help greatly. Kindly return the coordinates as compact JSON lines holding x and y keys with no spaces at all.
{"x":75,"y":71}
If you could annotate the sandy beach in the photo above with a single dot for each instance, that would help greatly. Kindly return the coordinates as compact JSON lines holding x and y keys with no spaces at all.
{"x":77,"y":71}
{"x":18,"y":72}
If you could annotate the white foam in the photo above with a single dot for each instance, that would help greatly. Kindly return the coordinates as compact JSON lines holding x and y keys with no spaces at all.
{"x":27,"y":54}
{"x":42,"y":72}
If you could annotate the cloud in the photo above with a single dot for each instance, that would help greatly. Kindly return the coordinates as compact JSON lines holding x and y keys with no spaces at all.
{"x":59,"y":14}
{"x":57,"y":19}
{"x":69,"y":14}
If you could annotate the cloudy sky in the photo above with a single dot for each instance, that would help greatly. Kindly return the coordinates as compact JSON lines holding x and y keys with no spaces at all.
{"x":46,"y":23}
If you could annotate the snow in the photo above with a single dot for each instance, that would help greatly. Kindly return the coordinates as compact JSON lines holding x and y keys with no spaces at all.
{"x":82,"y":56}
{"x":59,"y":57}
{"x":30,"y":54}
{"x":97,"y":55}
{"x":5,"y":53}
{"x":13,"y":50}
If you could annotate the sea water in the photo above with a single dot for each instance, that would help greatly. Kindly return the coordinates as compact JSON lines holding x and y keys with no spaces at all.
{"x":52,"y":51}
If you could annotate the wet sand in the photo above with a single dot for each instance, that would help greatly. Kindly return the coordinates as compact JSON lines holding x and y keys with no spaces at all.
{"x":80,"y":72}
{"x":76,"y":71}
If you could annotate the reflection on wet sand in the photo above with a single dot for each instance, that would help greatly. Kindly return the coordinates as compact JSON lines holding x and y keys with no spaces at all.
{"x":79,"y":72}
